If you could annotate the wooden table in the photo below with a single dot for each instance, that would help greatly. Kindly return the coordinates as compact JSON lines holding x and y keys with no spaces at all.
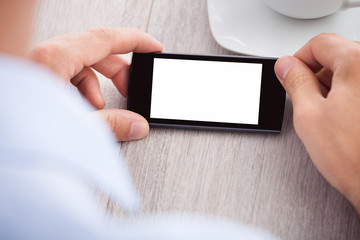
{"x":266,"y":180}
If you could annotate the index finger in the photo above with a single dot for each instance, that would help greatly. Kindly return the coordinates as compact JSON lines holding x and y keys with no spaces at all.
{"x":330,"y":51}
{"x":87,"y":48}
{"x":100,"y":43}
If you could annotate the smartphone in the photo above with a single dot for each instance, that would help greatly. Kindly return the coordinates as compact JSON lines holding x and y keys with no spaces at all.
{"x":206,"y":91}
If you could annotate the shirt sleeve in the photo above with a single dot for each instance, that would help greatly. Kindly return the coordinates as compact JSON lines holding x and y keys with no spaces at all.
{"x":53,"y":153}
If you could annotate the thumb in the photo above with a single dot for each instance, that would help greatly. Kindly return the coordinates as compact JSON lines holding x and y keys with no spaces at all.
{"x":298,"y":79}
{"x":125,"y":124}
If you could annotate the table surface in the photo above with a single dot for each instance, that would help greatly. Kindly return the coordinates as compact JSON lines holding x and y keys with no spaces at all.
{"x":266,"y":180}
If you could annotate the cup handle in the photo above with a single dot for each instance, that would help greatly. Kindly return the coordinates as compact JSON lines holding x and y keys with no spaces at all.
{"x":351,"y":4}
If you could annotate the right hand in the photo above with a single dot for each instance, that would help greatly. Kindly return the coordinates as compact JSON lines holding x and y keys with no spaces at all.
{"x":323,"y":82}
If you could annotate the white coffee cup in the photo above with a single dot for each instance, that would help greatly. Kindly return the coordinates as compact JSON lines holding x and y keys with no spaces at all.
{"x":310,"y":9}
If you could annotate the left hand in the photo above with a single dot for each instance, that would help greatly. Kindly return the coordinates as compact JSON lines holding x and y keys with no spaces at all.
{"x":74,"y":57}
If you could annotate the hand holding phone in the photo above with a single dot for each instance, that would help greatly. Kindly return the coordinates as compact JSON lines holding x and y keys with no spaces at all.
{"x":212,"y":92}
{"x":75,"y":56}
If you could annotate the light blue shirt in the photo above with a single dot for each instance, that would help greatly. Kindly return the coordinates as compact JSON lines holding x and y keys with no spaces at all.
{"x":54,"y":153}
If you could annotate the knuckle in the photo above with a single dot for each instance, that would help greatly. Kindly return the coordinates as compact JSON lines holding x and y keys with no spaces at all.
{"x":98,"y":30}
{"x":112,"y":122}
{"x":349,"y":61}
{"x":43,"y":53}
{"x":351,"y":51}
{"x":354,"y":54}
{"x":102,"y":32}
{"x":295,"y":80}
{"x":105,"y":35}
{"x":325,"y":37}
{"x":52,"y":55}
{"x":120,"y":130}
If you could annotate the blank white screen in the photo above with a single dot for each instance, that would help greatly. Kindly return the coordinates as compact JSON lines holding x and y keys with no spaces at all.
{"x":208,"y":91}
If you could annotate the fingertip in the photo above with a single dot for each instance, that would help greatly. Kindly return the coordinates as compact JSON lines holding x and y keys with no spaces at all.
{"x":283,"y":66}
{"x":158,"y":47}
{"x":96,"y":99}
{"x":151,"y":44}
{"x":138,"y":130}
{"x":126,"y":125}
{"x":99,"y":101}
{"x":299,"y":81}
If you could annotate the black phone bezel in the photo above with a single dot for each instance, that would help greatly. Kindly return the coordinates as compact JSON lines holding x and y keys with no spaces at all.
{"x":272,"y":94}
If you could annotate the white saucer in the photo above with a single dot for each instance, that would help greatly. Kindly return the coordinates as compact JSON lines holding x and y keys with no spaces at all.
{"x":251,"y":27}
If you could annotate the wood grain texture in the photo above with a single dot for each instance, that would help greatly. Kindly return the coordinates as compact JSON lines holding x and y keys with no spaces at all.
{"x":264,"y":180}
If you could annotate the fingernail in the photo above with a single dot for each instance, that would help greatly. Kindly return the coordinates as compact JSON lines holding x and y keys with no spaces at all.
{"x":283,"y":66}
{"x":138,"y":130}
